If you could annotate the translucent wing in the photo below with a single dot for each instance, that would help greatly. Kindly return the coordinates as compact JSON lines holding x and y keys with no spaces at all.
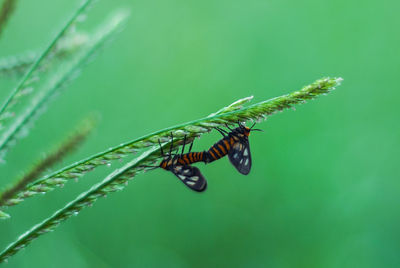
{"x":240,"y":157}
{"x":191,"y":177}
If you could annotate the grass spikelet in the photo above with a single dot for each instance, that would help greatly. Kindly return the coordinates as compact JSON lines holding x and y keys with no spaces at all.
{"x":191,"y":129}
{"x":3,"y":215}
{"x":232,"y":107}
{"x":15,"y":66}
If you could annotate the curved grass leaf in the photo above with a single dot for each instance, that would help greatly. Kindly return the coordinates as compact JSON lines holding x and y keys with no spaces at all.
{"x":65,"y":73}
{"x":191,"y":129}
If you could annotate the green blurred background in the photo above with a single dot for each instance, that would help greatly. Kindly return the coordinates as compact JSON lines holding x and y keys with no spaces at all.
{"x":324,"y":187}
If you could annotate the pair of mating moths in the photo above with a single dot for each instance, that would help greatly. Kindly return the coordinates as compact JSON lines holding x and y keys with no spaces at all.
{"x":235,"y":144}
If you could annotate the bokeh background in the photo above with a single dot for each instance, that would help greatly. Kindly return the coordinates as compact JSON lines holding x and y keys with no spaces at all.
{"x":324,"y":187}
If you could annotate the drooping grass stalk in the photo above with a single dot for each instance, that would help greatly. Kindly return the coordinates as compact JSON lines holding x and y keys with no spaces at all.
{"x":227,"y":115}
{"x":15,"y":66}
{"x":65,"y":148}
{"x":6,"y":10}
{"x":4,"y":113}
{"x":117,"y":180}
{"x":65,"y":73}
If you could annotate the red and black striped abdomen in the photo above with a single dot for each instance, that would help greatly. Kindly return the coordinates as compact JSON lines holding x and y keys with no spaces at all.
{"x":190,"y":158}
{"x":183,"y":159}
{"x":221,"y":148}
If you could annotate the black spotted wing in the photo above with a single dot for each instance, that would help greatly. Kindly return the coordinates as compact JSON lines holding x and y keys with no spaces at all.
{"x":191,"y":177}
{"x":240,"y":156}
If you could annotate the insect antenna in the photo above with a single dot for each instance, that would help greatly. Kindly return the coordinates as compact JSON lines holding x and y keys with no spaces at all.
{"x":228,"y":127}
{"x":256,"y":129}
{"x":220,"y":130}
{"x":184,"y":143}
{"x":172,"y":144}
{"x":241,"y":125}
{"x":161,"y":149}
{"x":190,"y":148}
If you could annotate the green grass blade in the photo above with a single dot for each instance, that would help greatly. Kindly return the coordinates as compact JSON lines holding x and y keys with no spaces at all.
{"x":117,"y":180}
{"x":62,"y":75}
{"x":191,"y":129}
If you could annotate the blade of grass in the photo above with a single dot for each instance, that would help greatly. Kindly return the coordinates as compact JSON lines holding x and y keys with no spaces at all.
{"x":191,"y":129}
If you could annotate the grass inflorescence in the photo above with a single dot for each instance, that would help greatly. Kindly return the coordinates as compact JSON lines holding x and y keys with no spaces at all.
{"x":228,"y":115}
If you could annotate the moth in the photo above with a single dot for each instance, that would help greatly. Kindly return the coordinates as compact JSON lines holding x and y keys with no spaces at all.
{"x":236,"y":145}
{"x":179,"y":165}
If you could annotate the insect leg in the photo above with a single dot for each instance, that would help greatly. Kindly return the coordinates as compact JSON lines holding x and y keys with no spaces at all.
{"x":184,"y":142}
{"x":161,"y":149}
{"x":151,"y":167}
{"x":228,"y":127}
{"x":223,"y":132}
{"x":172,"y":143}
{"x":190,"y":148}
